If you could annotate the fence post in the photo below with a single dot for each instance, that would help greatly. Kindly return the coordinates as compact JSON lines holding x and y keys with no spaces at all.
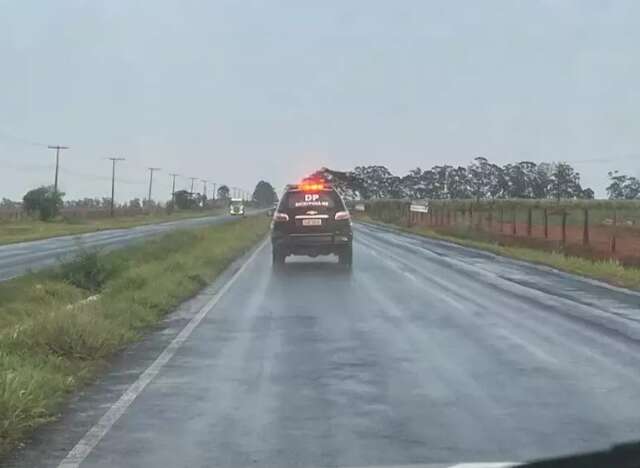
{"x":430,"y":216}
{"x":529,"y":222}
{"x":514,"y":229}
{"x":564,"y":228}
{"x":471,"y":217}
{"x":546,"y":223}
{"x":585,"y":231}
{"x":501,"y":219}
{"x":490,"y":219}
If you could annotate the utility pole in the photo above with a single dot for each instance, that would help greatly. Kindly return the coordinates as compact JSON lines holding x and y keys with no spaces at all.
{"x":113,"y":181}
{"x":173,"y":189}
{"x":151,"y":171}
{"x":204,"y":194}
{"x":193,"y":179}
{"x":57,"y":148}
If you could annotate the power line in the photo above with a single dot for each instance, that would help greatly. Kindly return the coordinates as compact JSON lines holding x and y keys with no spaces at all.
{"x":98,"y":177}
{"x":26,"y":167}
{"x":23,"y":141}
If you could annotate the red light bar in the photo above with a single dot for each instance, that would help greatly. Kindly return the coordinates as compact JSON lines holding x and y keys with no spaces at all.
{"x":311,"y":186}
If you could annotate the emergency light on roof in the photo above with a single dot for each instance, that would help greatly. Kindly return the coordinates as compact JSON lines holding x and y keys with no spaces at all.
{"x":315,"y":187}
{"x":311,"y":185}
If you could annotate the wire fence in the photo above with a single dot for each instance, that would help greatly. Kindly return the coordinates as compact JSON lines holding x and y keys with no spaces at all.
{"x":598,"y":229}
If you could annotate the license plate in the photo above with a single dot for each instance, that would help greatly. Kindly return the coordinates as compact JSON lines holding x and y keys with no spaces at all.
{"x":312,"y":222}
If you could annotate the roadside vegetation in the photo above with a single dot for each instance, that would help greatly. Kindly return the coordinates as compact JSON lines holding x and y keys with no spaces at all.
{"x":35,"y":229}
{"x":610,"y":271}
{"x":58,"y":328}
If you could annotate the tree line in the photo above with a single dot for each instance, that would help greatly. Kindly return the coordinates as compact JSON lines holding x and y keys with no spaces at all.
{"x":480,"y":180}
{"x":46,"y":203}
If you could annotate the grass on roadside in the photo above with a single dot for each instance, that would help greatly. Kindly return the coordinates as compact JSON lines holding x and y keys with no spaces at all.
{"x":28,"y":230}
{"x":53,"y":340}
{"x":609,"y":271}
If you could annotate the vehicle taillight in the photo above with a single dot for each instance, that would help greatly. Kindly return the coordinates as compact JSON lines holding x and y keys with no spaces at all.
{"x":342,"y":215}
{"x":280,"y":217}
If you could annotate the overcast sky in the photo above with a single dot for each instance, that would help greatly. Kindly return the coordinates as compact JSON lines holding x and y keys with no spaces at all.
{"x":236,"y":91}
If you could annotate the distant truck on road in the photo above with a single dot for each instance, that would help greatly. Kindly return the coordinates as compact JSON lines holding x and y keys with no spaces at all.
{"x":236,"y":207}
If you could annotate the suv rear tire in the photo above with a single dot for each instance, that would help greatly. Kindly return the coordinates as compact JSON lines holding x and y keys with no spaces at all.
{"x":345,"y":257}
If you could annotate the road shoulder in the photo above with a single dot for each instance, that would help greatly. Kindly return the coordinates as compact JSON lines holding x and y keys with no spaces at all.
{"x":51,"y":443}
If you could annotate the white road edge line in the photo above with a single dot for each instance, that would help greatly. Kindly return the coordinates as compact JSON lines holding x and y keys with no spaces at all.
{"x":89,"y":441}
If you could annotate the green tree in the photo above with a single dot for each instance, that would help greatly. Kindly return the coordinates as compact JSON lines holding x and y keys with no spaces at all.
{"x":135,"y":204}
{"x":565,"y":181}
{"x":377,"y":181}
{"x":587,"y":194}
{"x":484,"y":178}
{"x":264,"y":194}
{"x":623,"y":187}
{"x":223,"y":192}
{"x":44,"y":201}
{"x":185,"y":200}
{"x":7,"y":203}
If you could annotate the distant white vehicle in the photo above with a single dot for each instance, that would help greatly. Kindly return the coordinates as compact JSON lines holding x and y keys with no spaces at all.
{"x":236,"y":207}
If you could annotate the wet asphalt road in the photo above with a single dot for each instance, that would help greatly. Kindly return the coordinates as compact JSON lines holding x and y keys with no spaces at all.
{"x":18,"y":259}
{"x":427,"y":354}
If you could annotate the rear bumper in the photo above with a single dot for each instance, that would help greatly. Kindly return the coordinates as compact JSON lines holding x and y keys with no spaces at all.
{"x":311,"y":244}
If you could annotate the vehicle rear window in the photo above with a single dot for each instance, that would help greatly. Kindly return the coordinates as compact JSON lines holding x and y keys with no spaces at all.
{"x":302,"y":200}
